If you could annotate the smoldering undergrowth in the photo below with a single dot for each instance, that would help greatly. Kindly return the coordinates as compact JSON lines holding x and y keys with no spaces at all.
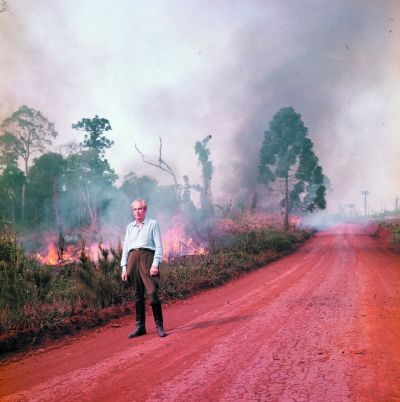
{"x":40,"y":301}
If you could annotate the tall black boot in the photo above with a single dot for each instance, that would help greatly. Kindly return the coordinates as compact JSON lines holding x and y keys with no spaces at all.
{"x":140,"y":320}
{"x":158,"y":318}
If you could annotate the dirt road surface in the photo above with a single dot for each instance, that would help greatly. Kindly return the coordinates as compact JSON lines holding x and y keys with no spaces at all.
{"x":322,"y":324}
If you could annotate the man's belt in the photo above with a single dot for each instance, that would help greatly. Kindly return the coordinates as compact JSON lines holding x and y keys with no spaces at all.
{"x":143,"y":249}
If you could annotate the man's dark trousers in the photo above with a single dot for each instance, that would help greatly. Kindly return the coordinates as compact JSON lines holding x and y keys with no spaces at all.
{"x":138,"y":271}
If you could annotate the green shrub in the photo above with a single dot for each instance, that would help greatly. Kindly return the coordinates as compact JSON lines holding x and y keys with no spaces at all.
{"x":395,"y":237}
{"x":230,"y":256}
{"x":15,"y":287}
{"x":254,"y":242}
{"x":8,"y":249}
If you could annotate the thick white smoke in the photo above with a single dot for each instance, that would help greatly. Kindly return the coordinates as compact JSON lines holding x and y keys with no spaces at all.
{"x":183,"y":70}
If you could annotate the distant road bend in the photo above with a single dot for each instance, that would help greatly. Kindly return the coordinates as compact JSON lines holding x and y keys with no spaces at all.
{"x":322,"y":324}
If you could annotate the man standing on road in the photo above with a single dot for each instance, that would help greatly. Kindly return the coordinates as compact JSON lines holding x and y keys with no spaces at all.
{"x":141,"y":257}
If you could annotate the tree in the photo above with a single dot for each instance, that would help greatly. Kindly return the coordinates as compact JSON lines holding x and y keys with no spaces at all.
{"x":203,"y":154}
{"x":139,"y":187}
{"x":45,"y":183}
{"x":162,"y":199}
{"x":8,"y":156}
{"x":164,"y":166}
{"x":189,"y":209}
{"x":187,"y":202}
{"x":25,"y":132}
{"x":12,"y":181}
{"x":88,"y":172}
{"x":287,"y":159}
{"x":88,"y":180}
{"x":94,"y":134}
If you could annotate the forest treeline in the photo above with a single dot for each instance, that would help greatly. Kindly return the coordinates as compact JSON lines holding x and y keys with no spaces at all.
{"x":49,"y":190}
{"x":45,"y":190}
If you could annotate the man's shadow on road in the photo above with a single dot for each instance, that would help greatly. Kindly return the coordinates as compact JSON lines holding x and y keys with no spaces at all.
{"x":213,"y":323}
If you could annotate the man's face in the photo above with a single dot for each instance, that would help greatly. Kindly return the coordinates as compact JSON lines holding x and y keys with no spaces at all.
{"x":139,"y":210}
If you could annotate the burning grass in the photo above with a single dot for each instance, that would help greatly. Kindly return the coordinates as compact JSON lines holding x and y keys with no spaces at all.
{"x":39,"y":301}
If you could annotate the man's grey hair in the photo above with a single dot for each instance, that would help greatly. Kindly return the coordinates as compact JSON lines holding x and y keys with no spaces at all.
{"x":140,"y":201}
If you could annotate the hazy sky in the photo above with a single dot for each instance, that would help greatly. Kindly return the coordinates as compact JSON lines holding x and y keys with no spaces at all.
{"x":184,"y":69}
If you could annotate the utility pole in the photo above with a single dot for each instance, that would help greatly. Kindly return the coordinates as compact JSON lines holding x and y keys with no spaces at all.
{"x":365,"y":192}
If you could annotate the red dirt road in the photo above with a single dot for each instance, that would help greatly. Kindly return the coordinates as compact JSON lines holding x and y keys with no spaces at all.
{"x":322,"y":324}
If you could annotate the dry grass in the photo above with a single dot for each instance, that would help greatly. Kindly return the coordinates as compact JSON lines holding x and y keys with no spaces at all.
{"x":38,"y":301}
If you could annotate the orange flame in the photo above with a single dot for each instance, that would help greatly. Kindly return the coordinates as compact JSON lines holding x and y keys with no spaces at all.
{"x":70,"y":254}
{"x":51,"y":257}
{"x":175,"y":243}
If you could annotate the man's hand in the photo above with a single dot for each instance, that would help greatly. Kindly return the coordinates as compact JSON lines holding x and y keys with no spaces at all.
{"x":154,"y":271}
{"x":124,"y":276}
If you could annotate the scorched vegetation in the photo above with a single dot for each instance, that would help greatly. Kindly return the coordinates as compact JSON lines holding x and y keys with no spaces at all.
{"x":38,"y":301}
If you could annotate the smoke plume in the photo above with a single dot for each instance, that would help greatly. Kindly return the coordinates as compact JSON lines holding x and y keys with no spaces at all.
{"x":185,"y":70}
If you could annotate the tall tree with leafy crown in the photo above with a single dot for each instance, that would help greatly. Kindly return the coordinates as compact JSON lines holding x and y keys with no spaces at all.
{"x":88,"y":171}
{"x":45,"y":186}
{"x":287,"y":159}
{"x":26,"y":132}
{"x":94,"y":137}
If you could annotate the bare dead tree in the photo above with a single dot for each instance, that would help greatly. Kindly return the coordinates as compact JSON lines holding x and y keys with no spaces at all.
{"x":60,"y":244}
{"x":161,"y":163}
